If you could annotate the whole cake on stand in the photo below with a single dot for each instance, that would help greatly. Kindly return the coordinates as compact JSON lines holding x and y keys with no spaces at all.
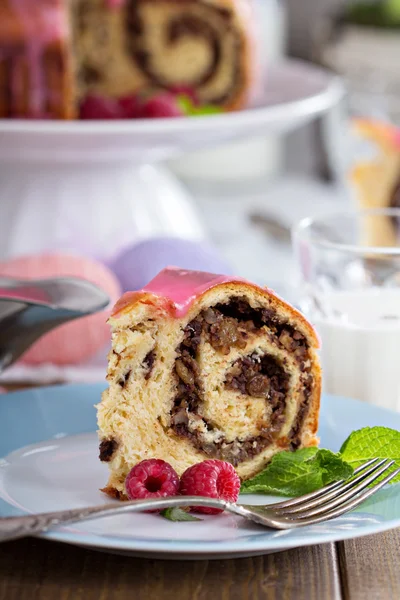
{"x":56,"y":53}
{"x":96,"y":186}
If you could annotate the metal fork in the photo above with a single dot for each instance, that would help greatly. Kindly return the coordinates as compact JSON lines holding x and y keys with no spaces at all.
{"x":326,"y":503}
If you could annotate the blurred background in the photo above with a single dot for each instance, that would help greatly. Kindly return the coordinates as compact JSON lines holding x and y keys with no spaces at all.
{"x":227,"y":208}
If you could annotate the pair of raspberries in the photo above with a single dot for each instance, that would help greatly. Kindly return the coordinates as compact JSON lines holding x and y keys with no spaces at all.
{"x":155,"y":478}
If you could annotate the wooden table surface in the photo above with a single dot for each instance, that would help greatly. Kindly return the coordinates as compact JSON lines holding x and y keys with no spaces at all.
{"x":363,"y":569}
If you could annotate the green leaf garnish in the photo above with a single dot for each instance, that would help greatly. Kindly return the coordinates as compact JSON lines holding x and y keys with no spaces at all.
{"x":297,"y":473}
{"x":190,"y":109}
{"x":384,"y":14}
{"x":206,"y":109}
{"x":372,"y":442}
{"x":392,"y":10}
{"x":178,"y":514}
{"x":303,"y":471}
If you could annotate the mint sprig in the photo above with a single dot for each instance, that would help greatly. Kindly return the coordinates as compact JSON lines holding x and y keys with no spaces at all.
{"x":178,"y":514}
{"x":372,"y":442}
{"x":306,"y":470}
{"x":297,"y":473}
{"x":190,"y":109}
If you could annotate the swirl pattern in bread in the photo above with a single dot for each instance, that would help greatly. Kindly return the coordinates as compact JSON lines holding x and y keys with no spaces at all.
{"x":207,"y":366}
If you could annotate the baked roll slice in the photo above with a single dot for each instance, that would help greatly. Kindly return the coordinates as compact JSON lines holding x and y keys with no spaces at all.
{"x":56,"y":53}
{"x":124,"y":46}
{"x":376,"y":181}
{"x":206,"y":366}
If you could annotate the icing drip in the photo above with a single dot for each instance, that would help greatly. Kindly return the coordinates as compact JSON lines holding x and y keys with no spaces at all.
{"x":43,"y":23}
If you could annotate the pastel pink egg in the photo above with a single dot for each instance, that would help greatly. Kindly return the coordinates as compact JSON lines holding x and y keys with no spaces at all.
{"x":78,"y":340}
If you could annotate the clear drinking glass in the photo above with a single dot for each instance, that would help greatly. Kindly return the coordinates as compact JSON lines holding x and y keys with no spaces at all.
{"x":350,"y":290}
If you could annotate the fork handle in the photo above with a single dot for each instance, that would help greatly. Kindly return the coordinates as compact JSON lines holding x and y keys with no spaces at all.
{"x":12,"y":528}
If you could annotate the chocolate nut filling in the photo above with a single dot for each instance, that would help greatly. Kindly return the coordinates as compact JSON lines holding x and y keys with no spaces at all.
{"x":260,"y":377}
{"x":230,"y":324}
{"x":89,"y":74}
{"x":186,"y":24}
{"x":122,"y":382}
{"x":148,"y":362}
{"x":225,"y":326}
{"x":107,"y":449}
{"x":294,"y":434}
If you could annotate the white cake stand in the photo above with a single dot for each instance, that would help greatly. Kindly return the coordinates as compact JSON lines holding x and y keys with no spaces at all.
{"x":96,"y":186}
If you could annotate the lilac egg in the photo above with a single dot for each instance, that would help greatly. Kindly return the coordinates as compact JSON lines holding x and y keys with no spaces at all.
{"x":137,"y":265}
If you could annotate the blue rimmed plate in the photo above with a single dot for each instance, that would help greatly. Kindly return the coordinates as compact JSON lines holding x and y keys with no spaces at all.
{"x":49,"y":447}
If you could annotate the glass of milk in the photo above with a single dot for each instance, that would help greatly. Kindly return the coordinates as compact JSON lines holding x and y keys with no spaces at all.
{"x":350,"y":280}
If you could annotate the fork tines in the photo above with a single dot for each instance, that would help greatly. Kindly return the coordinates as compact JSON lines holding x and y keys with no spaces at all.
{"x":337,"y":498}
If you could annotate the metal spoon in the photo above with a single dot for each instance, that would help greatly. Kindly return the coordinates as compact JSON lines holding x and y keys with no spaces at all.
{"x":29,"y":309}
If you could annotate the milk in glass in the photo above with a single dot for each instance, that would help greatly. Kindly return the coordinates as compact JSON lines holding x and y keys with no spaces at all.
{"x":360,"y":335}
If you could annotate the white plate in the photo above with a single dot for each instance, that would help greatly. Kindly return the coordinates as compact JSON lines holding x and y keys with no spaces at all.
{"x":294,"y":92}
{"x":50,"y":448}
{"x":56,"y":175}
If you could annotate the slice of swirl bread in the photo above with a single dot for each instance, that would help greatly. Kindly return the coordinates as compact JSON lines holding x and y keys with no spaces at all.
{"x":206,"y":366}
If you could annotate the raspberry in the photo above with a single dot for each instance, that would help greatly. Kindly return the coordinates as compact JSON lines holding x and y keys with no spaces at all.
{"x":97,"y":107}
{"x":212,"y":478}
{"x":131,"y":106}
{"x":160,"y":106}
{"x":153,"y":478}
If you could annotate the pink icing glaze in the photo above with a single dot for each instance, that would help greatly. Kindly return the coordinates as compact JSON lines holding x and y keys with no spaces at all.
{"x":182,"y":287}
{"x":44,"y":22}
{"x":179,"y":288}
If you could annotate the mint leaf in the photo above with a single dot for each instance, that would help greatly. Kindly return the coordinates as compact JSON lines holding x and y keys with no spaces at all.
{"x":178,"y":514}
{"x":333,"y":466}
{"x":186,"y":105}
{"x":372,"y":442}
{"x":298,"y":473}
{"x":392,"y":10}
{"x":206,"y":109}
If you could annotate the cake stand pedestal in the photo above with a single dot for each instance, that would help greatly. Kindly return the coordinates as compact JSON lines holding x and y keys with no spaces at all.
{"x":96,"y":186}
{"x":92,"y":208}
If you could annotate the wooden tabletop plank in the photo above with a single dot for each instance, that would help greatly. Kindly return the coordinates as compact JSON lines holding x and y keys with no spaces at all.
{"x":36,"y":569}
{"x":369,"y":567}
